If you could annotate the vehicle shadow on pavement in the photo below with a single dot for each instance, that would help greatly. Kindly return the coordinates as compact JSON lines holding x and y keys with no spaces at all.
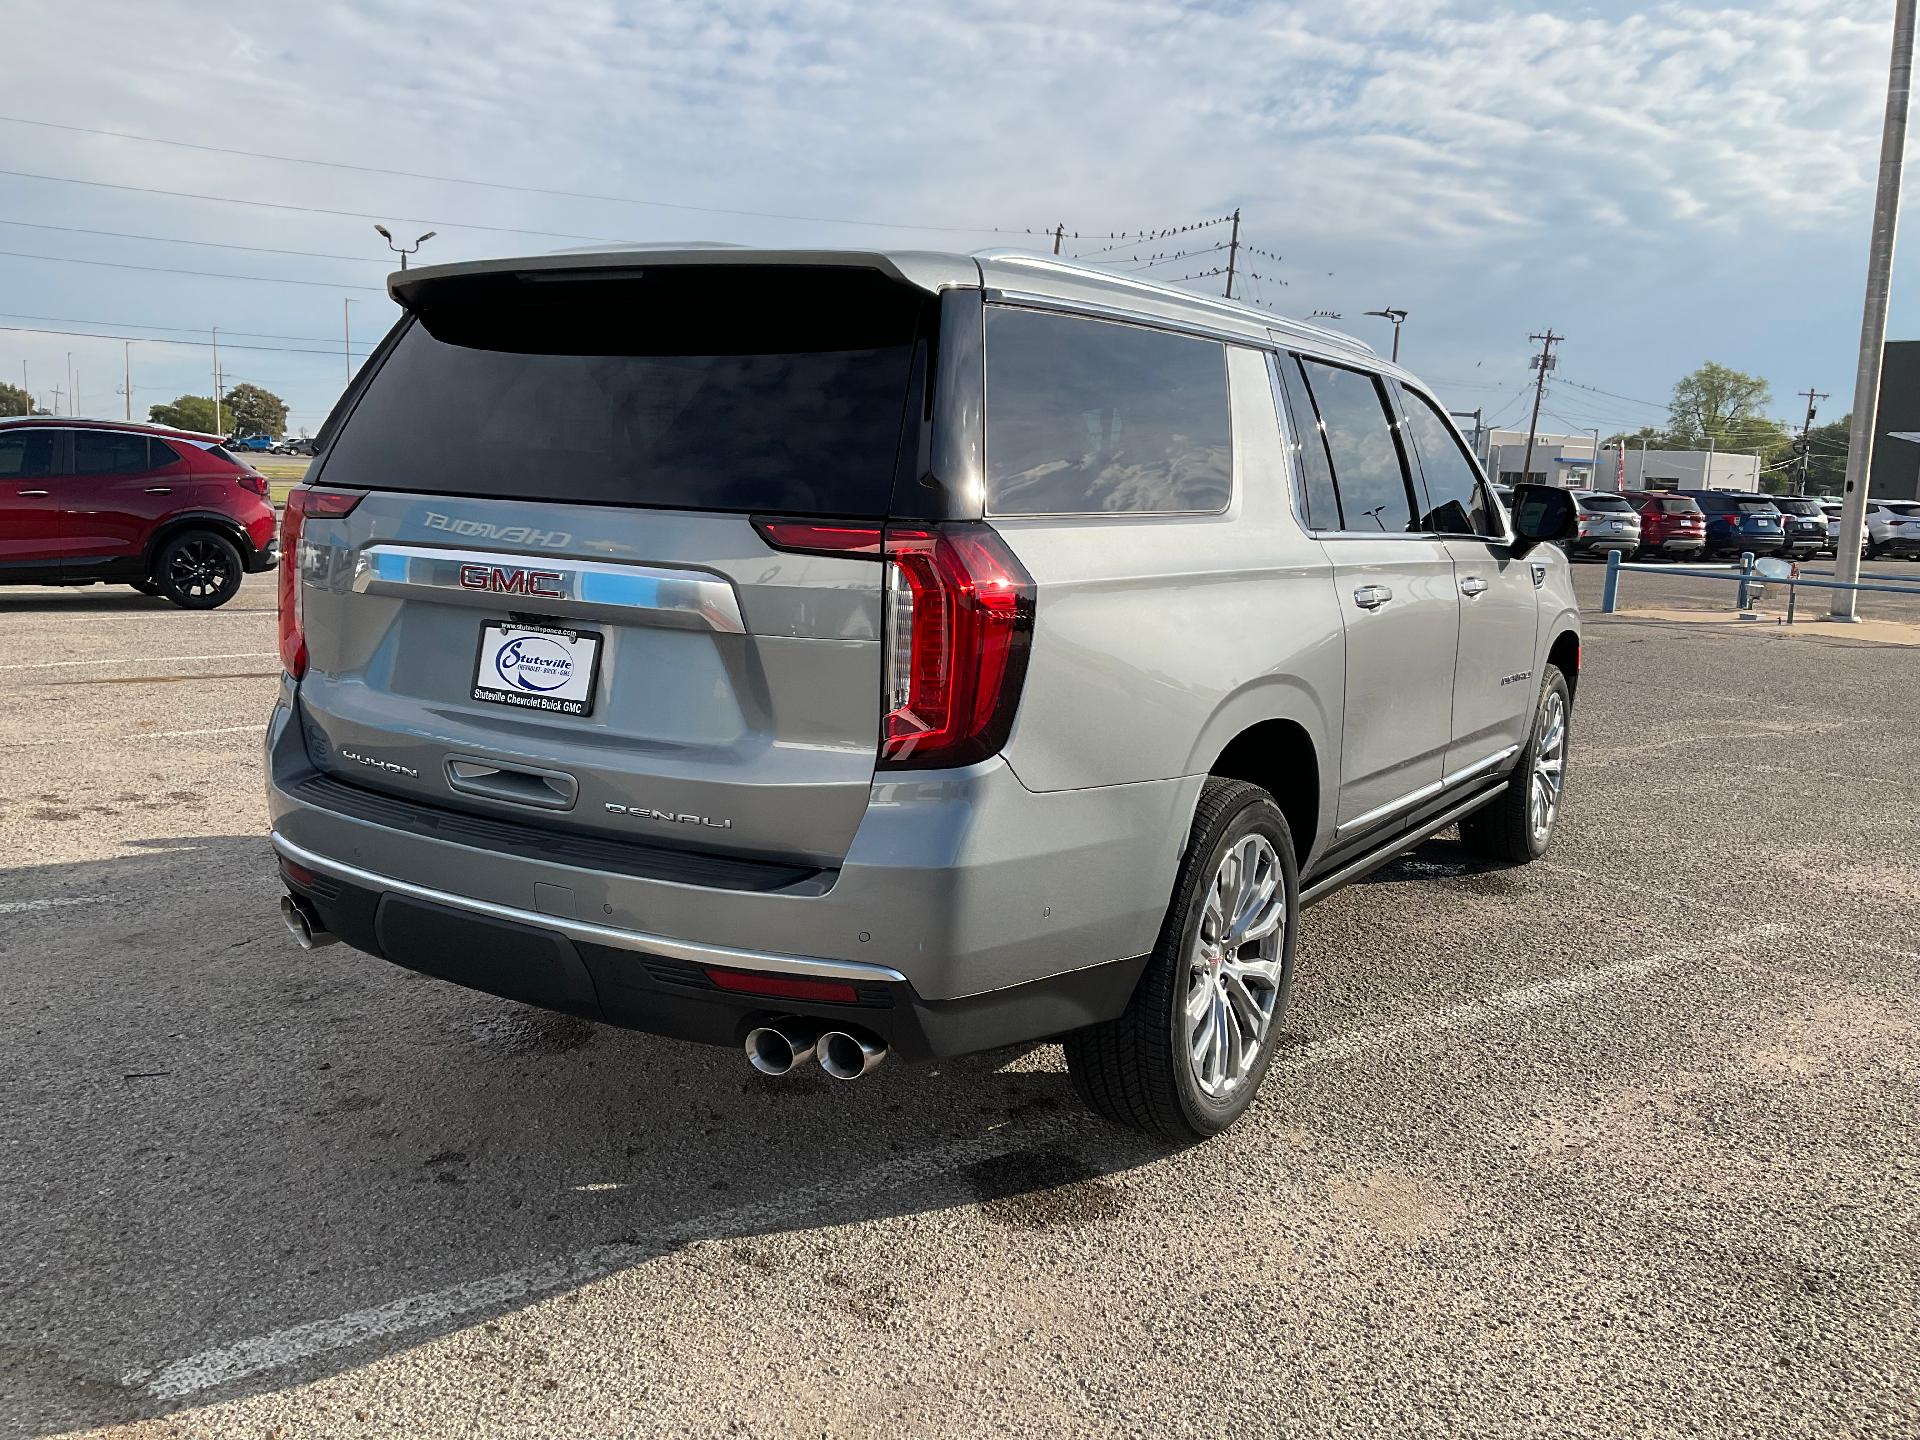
{"x":79,"y":600}
{"x":216,"y":1137}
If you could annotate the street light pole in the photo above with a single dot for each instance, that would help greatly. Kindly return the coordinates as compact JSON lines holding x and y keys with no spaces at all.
{"x":403,"y":251}
{"x":1398,"y":317}
{"x":346,"y":333}
{"x":218,"y":428}
{"x":1873,"y":320}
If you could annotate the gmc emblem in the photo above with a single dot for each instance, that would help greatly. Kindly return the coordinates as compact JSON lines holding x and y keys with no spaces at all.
{"x":545,"y":584}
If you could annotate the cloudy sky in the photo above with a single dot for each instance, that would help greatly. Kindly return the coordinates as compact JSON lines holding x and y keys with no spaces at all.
{"x":1661,"y":184}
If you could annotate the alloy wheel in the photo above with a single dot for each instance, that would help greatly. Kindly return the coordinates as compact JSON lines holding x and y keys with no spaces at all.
{"x":1234,"y":969}
{"x":198,"y":569}
{"x":1549,"y":767}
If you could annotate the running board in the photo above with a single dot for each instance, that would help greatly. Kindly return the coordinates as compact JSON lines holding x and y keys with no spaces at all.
{"x":1392,"y":849}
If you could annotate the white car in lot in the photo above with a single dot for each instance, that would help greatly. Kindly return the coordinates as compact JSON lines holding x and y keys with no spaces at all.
{"x":1893,"y":529}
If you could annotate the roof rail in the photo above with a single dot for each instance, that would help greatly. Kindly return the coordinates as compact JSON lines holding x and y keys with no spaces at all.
{"x":1254,"y":314}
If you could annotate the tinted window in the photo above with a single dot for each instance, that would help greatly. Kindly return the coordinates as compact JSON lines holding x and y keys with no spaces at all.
{"x":1457,"y":502}
{"x":1907,"y":510}
{"x":26,"y":454}
{"x":705,"y":388}
{"x":108,"y":452}
{"x":1758,"y":507}
{"x":1604,"y":502}
{"x":1085,"y":417}
{"x":1679,"y":507}
{"x":1366,"y":460}
{"x":1791,"y":506}
{"x":1318,"y":499}
{"x":160,"y":453}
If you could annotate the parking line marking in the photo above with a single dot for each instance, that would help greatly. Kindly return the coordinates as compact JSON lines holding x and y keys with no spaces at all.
{"x":1511,"y":1002}
{"x":15,"y":907}
{"x":142,"y":660}
{"x":140,"y":735}
{"x":209,"y":1369}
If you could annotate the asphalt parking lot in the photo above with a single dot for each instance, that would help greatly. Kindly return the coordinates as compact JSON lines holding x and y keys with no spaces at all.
{"x":1620,"y":1143}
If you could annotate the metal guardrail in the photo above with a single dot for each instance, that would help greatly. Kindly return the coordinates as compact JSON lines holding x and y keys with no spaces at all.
{"x":1746,"y":575}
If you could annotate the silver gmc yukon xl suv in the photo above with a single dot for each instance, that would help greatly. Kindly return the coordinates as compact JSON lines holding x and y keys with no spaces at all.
{"x":839,"y":653}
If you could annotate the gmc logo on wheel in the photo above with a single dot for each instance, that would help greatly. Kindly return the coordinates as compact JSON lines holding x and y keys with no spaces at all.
{"x":542,"y":583}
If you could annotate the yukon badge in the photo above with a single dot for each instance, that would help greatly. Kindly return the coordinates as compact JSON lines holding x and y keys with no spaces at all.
{"x":641,"y":812}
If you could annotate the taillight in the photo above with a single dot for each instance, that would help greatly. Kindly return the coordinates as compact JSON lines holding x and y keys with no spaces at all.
{"x":253,"y":480}
{"x":958,"y":619}
{"x":301,"y":502}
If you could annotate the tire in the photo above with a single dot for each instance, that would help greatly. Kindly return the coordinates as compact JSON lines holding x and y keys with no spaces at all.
{"x":1139,"y":1070}
{"x":1508,"y":829}
{"x":198,"y":569}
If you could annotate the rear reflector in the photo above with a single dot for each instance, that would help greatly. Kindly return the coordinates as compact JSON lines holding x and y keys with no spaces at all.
{"x":783,"y":987}
{"x":298,"y":874}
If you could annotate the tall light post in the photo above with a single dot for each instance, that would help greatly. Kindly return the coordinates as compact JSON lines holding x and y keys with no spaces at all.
{"x":346,"y":334}
{"x":218,"y":427}
{"x":1873,"y":320}
{"x":403,"y":251}
{"x":1398,"y":317}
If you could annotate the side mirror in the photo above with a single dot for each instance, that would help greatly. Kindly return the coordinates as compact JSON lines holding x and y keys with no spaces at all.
{"x":1542,"y":515}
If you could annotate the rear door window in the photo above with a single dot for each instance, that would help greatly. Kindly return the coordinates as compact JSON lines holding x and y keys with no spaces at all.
{"x":108,"y":452}
{"x":739,"y":388}
{"x":26,"y":454}
{"x":1094,"y":417}
{"x":1367,"y":467}
{"x":1456,"y":498}
{"x":1319,"y":501}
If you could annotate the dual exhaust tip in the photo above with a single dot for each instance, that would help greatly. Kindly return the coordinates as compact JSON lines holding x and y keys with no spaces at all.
{"x":303,"y":923}
{"x":782,"y":1045}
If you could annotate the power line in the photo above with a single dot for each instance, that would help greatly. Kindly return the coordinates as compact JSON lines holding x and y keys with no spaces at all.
{"x":205,"y":244}
{"x":177,"y":329}
{"x":480,"y":184}
{"x":201,"y":344}
{"x":203,"y":274}
{"x":1655,"y":404}
{"x":311,"y":209}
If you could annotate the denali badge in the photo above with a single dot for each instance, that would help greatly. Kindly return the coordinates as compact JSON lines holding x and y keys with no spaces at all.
{"x":387,"y":765}
{"x":672,"y":819}
{"x":1517,"y":678}
{"x":508,"y":534}
{"x":512,"y":580}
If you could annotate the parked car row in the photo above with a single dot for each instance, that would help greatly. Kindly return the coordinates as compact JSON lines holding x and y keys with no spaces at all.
{"x":267,"y":445}
{"x":1712,"y":524}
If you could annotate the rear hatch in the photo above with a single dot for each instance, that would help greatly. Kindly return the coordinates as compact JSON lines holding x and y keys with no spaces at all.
{"x":552,"y":605}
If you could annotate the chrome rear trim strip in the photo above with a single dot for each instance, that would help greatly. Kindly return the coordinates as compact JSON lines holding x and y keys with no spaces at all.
{"x":654,"y":595}
{"x":689,"y":950}
{"x":1424,"y":793}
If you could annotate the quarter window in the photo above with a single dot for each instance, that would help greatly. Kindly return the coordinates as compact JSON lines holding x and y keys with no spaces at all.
{"x":1456,"y":500}
{"x":1367,"y":467}
{"x":1089,"y":417}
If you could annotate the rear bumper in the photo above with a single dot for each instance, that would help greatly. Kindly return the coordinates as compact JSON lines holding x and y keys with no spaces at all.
{"x":1899,"y":545}
{"x":960,"y":889}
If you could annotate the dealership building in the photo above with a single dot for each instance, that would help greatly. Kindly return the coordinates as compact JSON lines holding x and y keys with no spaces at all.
{"x":1568,"y":461}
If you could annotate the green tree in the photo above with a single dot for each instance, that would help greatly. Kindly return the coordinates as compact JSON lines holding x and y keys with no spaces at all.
{"x":189,"y":412}
{"x":254,"y":411}
{"x":1724,"y":405}
{"x":15,"y":401}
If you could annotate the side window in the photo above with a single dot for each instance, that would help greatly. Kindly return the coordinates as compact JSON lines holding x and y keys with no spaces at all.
{"x":1318,"y":498}
{"x":1367,"y":467}
{"x":26,"y":454}
{"x":1457,"y":501}
{"x":160,"y":454}
{"x":1089,"y":417}
{"x":108,"y":452}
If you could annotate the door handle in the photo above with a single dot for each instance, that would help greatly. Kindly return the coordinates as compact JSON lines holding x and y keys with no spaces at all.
{"x":159,"y":489}
{"x":32,"y":492}
{"x":1473,"y":587}
{"x":1372,"y":597}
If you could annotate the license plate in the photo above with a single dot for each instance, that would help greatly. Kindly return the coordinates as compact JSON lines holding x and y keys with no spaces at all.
{"x":1619,"y":527}
{"x":537,"y":667}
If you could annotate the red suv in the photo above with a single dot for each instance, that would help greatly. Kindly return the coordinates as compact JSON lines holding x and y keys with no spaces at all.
{"x":1670,"y":524}
{"x":168,"y":512}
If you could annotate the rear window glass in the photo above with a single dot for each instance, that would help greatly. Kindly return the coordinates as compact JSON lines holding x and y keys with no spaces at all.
{"x":1604,"y":502}
{"x":1756,"y":507}
{"x":1090,"y":417}
{"x":1907,"y":510}
{"x":1791,"y":506}
{"x":700,"y":388}
{"x":1679,"y":505}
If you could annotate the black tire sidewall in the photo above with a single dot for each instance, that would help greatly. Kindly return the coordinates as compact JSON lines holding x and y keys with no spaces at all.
{"x":1555,"y":681}
{"x":163,"y":566}
{"x":1256,"y":814}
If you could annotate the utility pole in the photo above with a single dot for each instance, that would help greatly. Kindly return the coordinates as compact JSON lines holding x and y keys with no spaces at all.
{"x":218,"y":428}
{"x":346,"y":335}
{"x":69,"y":382}
{"x":1873,"y":319}
{"x":1475,"y":413}
{"x":1806,"y":432}
{"x":1059,"y":235}
{"x":126,"y":361}
{"x":1233,"y":252}
{"x":1542,"y":363}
